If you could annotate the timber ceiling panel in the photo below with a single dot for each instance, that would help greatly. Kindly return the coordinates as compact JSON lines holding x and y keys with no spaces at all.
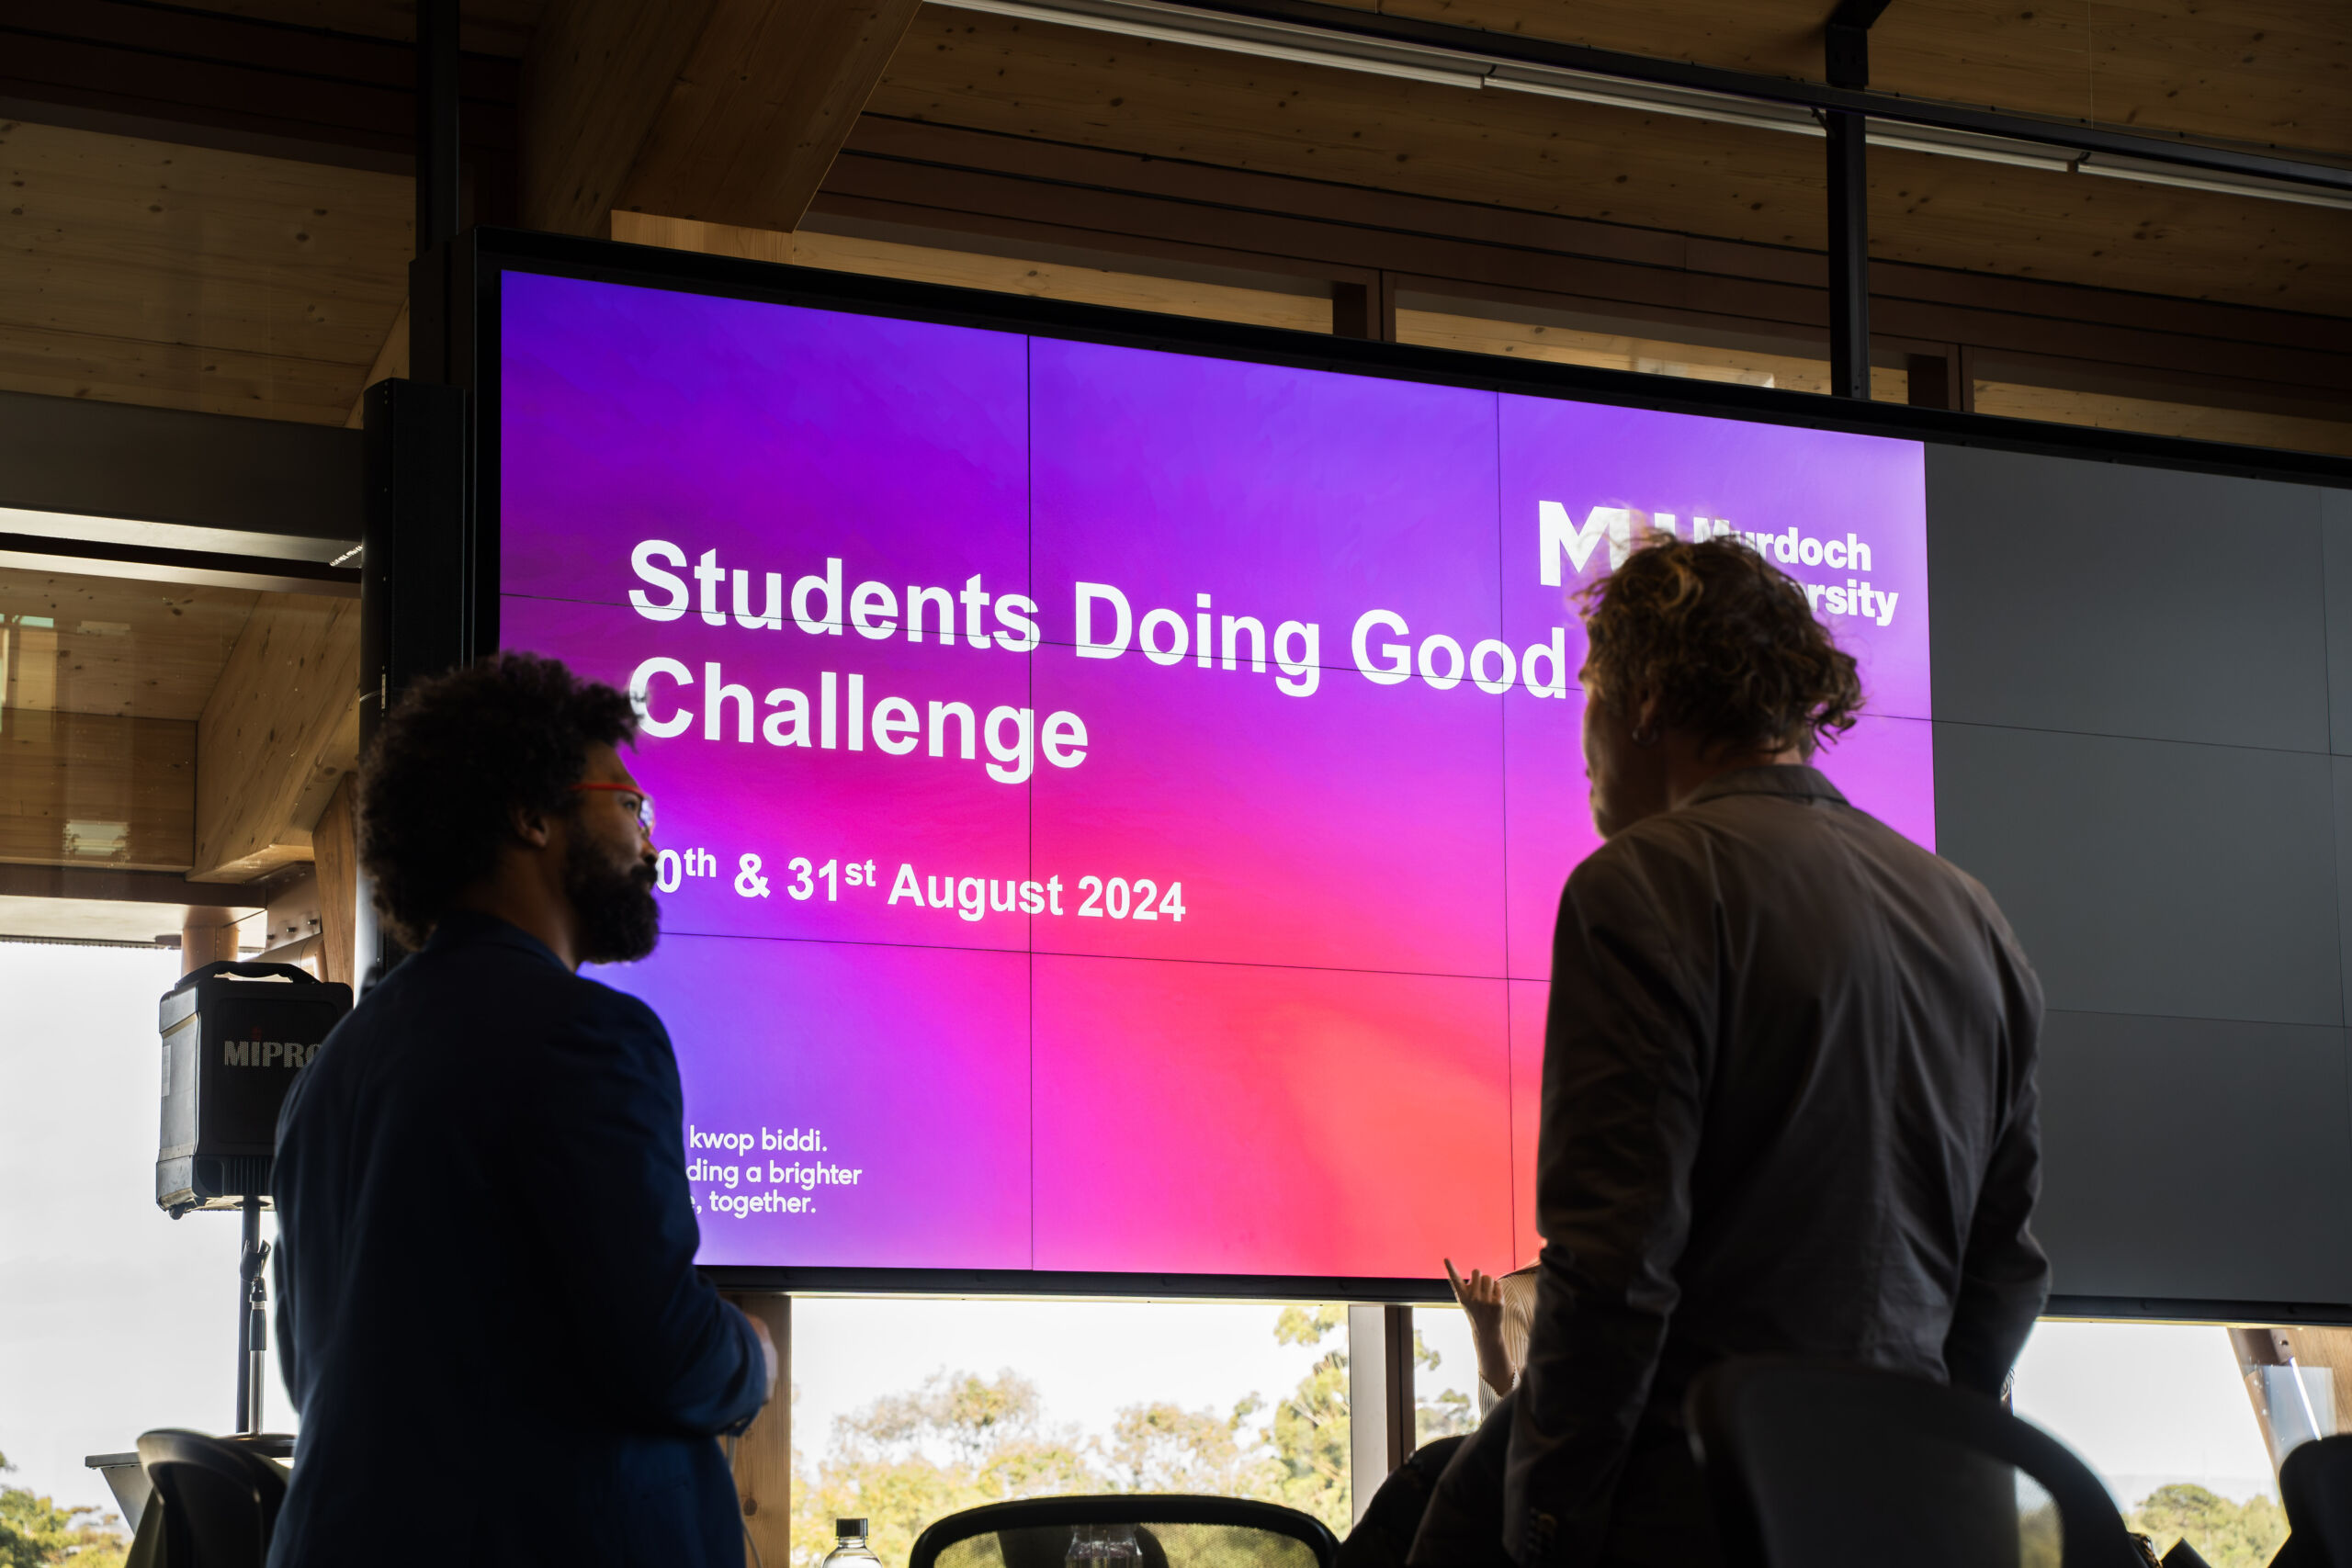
{"x":181,"y":276}
{"x":105,"y":645}
{"x":485,"y":26}
{"x":1547,"y":156}
{"x":2264,"y":71}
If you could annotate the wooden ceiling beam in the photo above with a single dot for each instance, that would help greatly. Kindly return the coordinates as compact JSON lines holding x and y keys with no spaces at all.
{"x":771,"y":94}
{"x":725,"y":111}
{"x":598,"y":75}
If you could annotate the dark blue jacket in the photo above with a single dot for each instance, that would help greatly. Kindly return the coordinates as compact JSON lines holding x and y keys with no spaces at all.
{"x":488,"y":1313}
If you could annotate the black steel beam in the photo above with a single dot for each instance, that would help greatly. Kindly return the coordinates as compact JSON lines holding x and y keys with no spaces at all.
{"x":1523,"y":51}
{"x":1849,"y":256}
{"x":437,"y":178}
{"x":1846,"y":49}
{"x":87,"y":458}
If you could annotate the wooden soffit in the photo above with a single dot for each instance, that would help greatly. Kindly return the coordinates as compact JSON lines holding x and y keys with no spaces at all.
{"x":1059,"y":85}
{"x":2252,"y":71}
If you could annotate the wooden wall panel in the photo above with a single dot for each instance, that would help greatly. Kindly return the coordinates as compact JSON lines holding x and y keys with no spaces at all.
{"x":1659,"y":355}
{"x":484,"y":26}
{"x":269,"y":741}
{"x":1298,"y":311}
{"x":132,"y":648}
{"x":2249,"y":427}
{"x":158,"y":273}
{"x":91,"y":789}
{"x":1546,"y":155}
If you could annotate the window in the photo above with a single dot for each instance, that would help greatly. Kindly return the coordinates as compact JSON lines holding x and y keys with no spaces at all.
{"x":2161,"y":1411}
{"x":114,"y":1319}
{"x":1445,"y":1374}
{"x":150,"y":729}
{"x":908,"y":1409}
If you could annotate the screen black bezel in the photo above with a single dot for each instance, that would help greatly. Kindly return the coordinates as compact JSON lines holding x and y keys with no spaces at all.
{"x":481,"y":257}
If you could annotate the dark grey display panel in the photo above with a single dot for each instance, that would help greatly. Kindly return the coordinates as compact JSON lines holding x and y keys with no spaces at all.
{"x":2144,"y":682}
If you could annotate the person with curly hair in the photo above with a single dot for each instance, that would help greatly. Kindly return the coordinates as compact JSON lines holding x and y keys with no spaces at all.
{"x":1788,"y":1102}
{"x":488,"y":1313}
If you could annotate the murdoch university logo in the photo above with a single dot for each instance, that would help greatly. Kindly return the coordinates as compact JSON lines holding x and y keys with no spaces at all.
{"x":1557,"y":536}
{"x":1563,"y":547}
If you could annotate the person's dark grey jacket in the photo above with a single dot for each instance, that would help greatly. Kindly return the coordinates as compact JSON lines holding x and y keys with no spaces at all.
{"x":488,"y":1313}
{"x":1789,"y":1107}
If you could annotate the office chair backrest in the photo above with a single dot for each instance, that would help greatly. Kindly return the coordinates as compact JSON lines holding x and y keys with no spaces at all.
{"x":2315,"y":1483}
{"x":1172,"y":1530}
{"x":220,"y":1499}
{"x":1814,"y":1464}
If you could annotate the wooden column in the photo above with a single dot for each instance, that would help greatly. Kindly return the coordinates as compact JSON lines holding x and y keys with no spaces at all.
{"x":335,"y":853}
{"x":2328,"y":1348}
{"x":1396,"y":1343}
{"x":203,"y":941}
{"x":764,"y":1454}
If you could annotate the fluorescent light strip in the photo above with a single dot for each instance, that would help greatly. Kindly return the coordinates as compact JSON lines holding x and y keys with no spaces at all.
{"x":1450,"y":68}
{"x":1585,"y":86}
{"x":1265,"y":40}
{"x":2148,"y":171}
{"x":1968,"y":144}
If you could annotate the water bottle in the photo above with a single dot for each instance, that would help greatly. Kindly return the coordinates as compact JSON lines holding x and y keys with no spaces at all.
{"x":850,"y":1549}
{"x":1104,"y":1546}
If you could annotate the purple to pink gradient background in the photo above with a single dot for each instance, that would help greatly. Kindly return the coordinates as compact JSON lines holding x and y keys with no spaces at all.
{"x":1328,"y":1066}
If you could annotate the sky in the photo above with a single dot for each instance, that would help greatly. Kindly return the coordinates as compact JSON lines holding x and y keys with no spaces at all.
{"x":115,"y":1320}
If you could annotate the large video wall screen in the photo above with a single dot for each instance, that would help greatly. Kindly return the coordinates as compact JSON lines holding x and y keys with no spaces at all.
{"x":1113,"y":802}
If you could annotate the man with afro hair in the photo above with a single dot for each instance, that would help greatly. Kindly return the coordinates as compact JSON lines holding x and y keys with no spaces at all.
{"x":487,"y":1312}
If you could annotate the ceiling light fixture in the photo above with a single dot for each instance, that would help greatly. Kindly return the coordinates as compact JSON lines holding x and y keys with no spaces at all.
{"x":2115,"y":166}
{"x":1239,"y":35}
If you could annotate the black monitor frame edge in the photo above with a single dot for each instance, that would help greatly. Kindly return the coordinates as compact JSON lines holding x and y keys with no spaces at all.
{"x":482,"y":256}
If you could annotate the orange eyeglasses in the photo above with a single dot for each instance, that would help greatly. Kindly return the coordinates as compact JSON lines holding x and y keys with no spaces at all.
{"x":642,"y":811}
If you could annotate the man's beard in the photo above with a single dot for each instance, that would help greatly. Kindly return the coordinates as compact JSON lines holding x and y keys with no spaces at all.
{"x":619,"y":921}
